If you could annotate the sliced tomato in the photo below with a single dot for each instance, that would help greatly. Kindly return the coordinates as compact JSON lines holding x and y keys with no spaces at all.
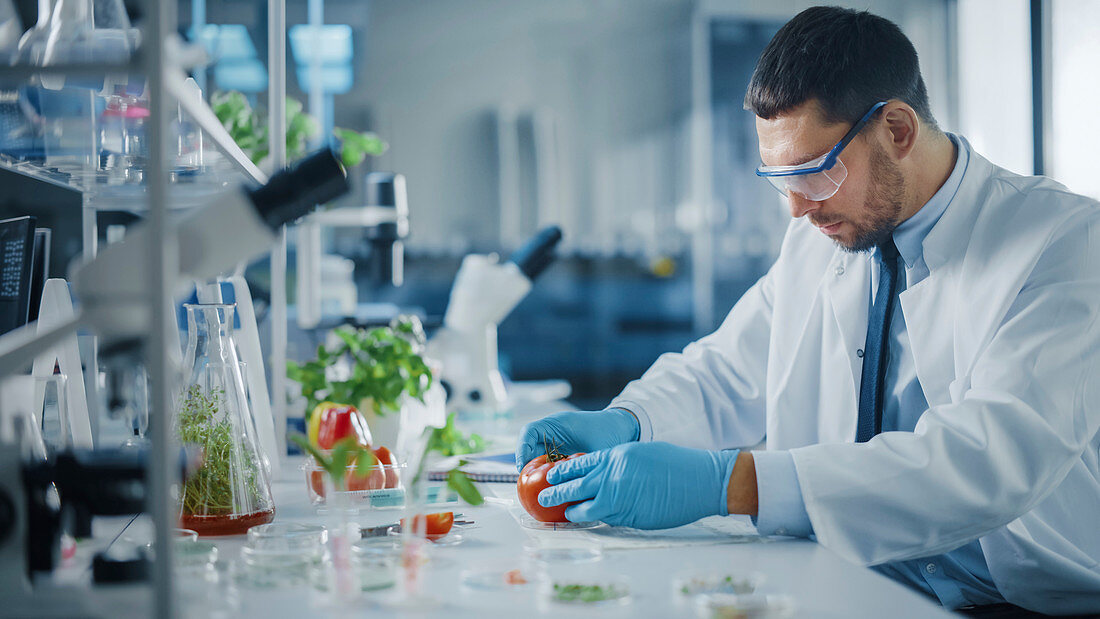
{"x":438,"y":524}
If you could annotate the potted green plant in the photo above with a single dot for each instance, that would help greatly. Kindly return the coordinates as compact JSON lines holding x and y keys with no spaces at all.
{"x":249,"y":130}
{"x":377,"y":370}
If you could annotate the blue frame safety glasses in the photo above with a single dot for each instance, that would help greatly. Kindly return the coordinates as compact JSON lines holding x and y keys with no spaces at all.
{"x":818,"y":179}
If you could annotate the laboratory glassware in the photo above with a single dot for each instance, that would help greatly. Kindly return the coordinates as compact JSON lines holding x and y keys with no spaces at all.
{"x":230,"y":492}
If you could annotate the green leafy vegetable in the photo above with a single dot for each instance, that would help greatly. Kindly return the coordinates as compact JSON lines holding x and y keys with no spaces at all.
{"x":586,"y":593}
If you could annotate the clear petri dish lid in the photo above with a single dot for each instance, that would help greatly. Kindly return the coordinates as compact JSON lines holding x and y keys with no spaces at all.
{"x":585,"y":592}
{"x":562,"y":553}
{"x":287,"y":536}
{"x":692,"y":583}
{"x":528,"y":522}
{"x":749,"y":606}
{"x":502,"y":576}
{"x":194,"y":553}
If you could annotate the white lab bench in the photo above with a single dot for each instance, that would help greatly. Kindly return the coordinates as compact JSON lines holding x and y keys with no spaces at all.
{"x":821,"y":583}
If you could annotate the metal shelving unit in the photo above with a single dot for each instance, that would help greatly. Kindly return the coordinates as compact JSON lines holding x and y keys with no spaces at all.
{"x":155,"y":199}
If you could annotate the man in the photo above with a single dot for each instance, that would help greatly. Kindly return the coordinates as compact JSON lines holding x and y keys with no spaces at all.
{"x":923,"y":358}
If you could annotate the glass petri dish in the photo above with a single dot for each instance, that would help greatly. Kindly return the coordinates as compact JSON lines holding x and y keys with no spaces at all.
{"x":375,"y":566}
{"x":593,"y":592}
{"x":453,"y":538}
{"x":288,"y":537}
{"x":528,"y":522}
{"x":750,"y":606}
{"x":693,"y":583}
{"x":500,"y":577}
{"x":563,"y":554}
{"x":275,"y":569}
{"x":189,"y":535}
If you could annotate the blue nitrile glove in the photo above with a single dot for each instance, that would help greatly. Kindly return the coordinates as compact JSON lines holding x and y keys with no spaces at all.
{"x":642,"y":485}
{"x":576,"y":431}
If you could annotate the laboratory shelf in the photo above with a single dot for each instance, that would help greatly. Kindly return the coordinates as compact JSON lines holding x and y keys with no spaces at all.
{"x":187,"y":188}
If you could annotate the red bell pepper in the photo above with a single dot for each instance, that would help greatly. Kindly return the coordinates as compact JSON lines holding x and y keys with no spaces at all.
{"x":340,"y":421}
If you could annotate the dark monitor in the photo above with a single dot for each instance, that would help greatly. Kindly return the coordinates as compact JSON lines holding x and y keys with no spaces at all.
{"x":40,"y":270}
{"x":16,"y":262}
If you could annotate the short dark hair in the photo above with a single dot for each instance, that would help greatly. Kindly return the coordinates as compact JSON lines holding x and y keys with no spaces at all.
{"x":845,"y":59}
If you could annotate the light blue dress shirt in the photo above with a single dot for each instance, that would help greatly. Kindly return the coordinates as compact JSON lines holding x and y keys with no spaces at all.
{"x":957,"y":578}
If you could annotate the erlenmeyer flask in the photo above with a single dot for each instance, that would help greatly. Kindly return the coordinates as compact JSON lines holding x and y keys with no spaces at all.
{"x":230,"y":492}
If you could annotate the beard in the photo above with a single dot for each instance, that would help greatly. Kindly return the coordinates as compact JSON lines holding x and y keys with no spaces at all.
{"x":882,"y":208}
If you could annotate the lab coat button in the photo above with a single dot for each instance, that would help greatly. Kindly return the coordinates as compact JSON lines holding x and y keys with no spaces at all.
{"x":859,"y":353}
{"x":930,"y":568}
{"x":840,"y":270}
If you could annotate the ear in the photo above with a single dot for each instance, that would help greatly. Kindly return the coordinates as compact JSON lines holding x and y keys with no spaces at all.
{"x":900,"y":128}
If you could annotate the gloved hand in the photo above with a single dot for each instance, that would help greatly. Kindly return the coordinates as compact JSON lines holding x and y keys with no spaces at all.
{"x":576,"y":431}
{"x":642,"y":485}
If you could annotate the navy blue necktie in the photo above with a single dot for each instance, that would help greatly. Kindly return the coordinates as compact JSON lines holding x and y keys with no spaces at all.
{"x":875,"y":350}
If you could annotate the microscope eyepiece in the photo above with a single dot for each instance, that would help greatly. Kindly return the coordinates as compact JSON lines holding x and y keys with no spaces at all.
{"x":295,"y":191}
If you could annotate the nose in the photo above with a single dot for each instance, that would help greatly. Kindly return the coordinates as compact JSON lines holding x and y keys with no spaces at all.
{"x":800,"y":205}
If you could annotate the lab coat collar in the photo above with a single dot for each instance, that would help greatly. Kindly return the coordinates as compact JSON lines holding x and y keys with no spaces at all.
{"x":925,"y":305}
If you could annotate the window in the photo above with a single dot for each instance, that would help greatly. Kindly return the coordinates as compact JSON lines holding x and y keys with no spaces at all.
{"x":1074,"y":91}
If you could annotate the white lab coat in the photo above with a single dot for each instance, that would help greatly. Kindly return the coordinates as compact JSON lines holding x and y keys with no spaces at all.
{"x":1005,"y":333}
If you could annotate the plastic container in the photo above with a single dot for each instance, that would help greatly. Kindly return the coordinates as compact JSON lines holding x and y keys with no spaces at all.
{"x":381,"y":487}
{"x":229,"y":493}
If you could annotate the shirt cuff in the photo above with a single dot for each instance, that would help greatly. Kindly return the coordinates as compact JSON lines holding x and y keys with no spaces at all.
{"x":781,"y":509}
{"x":645,"y":425}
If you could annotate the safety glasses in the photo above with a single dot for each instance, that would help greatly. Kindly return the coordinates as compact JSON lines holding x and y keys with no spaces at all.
{"x":820,"y":178}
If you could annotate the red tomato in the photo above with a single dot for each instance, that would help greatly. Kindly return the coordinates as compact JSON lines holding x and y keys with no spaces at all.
{"x":532,"y":480}
{"x":338,"y":422}
{"x":388,"y":462}
{"x":375,"y":479}
{"x":438,"y":524}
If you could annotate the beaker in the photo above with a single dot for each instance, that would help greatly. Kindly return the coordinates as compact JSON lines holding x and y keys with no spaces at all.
{"x":229,"y":493}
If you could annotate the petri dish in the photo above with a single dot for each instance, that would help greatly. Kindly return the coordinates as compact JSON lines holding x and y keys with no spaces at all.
{"x":693,"y":583}
{"x":578,"y":553}
{"x":594,"y":592}
{"x":750,"y":606}
{"x":186,"y":534}
{"x":451,"y":539}
{"x":275,"y":569}
{"x":500,"y":577}
{"x":375,"y":566}
{"x":527,"y":522}
{"x":288,"y":537}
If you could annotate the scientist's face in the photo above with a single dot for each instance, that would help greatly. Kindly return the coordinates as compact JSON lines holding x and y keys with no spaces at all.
{"x":867,"y":206}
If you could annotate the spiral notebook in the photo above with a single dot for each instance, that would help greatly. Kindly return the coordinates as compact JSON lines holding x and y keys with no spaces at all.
{"x":496,"y":468}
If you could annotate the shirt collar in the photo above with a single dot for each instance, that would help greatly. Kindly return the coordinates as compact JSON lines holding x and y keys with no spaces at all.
{"x":909,"y":236}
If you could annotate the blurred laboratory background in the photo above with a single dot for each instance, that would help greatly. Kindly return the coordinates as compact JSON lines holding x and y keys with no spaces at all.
{"x":619,"y":121}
